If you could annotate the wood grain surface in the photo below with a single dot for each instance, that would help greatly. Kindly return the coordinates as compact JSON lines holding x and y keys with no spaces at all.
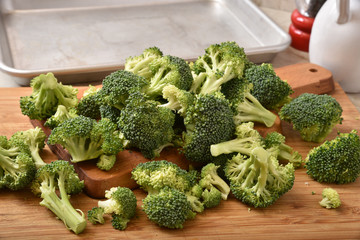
{"x":296,"y":215}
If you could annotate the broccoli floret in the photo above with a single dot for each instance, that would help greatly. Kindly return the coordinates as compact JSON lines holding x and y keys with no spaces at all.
{"x":155,"y":175}
{"x":245,"y":106}
{"x":208,"y":121}
{"x":121,"y":203}
{"x":313,"y":116}
{"x":117,"y":87}
{"x":168,"y":70}
{"x":17,"y":168}
{"x":62,"y":176}
{"x":35,"y":139}
{"x":140,"y":64}
{"x":89,"y":104}
{"x":247,"y":138}
{"x":275,"y":142}
{"x":210,"y":179}
{"x":61,"y":114}
{"x":47,"y":94}
{"x":211,"y":198}
{"x":331,"y":198}
{"x":271,"y":91}
{"x":336,"y":160}
{"x":178,"y":100}
{"x":86,"y":139}
{"x":106,"y":162}
{"x":109,"y":112}
{"x":169,"y":208}
{"x":147,"y":126}
{"x":259,"y":180}
{"x":220,"y":63}
{"x":96,"y":215}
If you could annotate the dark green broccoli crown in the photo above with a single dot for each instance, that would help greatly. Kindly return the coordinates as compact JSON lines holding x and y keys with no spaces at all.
{"x":96,"y":215}
{"x":47,"y":94}
{"x":146,"y":125}
{"x":17,"y":168}
{"x":110,"y":112}
{"x":169,"y":208}
{"x":155,"y":175}
{"x":208,"y":121}
{"x":119,"y":222}
{"x":119,"y":85}
{"x":314,"y":116}
{"x":111,"y":141}
{"x":337,"y":160}
{"x":89,"y":104}
{"x":269,"y":89}
{"x":61,"y":114}
{"x":126,"y":200}
{"x":273,"y":139}
{"x":235,"y":90}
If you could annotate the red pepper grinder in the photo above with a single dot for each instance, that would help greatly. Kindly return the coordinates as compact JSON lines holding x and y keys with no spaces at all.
{"x":302,"y":19}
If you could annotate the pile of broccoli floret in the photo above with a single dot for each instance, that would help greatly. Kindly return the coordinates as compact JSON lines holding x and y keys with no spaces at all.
{"x":207,"y":110}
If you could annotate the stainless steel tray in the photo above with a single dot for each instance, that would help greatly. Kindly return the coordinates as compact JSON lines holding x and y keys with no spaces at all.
{"x":84,"y":40}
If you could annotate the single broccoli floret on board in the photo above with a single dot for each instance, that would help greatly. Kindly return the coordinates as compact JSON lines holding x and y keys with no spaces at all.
{"x":47,"y":94}
{"x":335,"y":161}
{"x":313,"y":116}
{"x":96,"y":215}
{"x":331,"y":198}
{"x":62,"y":113}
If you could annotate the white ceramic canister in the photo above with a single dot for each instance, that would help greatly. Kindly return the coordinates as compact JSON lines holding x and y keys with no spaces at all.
{"x":335,"y":42}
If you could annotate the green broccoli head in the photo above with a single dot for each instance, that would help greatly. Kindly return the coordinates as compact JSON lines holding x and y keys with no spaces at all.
{"x":35,"y":139}
{"x":210,"y":179}
{"x":211,"y":198}
{"x":17,"y":168}
{"x":246,"y":106}
{"x":106,"y":162}
{"x":85,"y":139}
{"x":110,"y":112}
{"x":146,"y":125}
{"x":117,"y":87}
{"x":155,"y":175}
{"x":140,"y":65}
{"x":313,"y":116}
{"x":271,"y":91}
{"x":330,"y":198}
{"x":62,"y":113}
{"x":89,"y":104}
{"x":47,"y":94}
{"x":336,"y":160}
{"x":275,"y":142}
{"x":259,"y":180}
{"x":220,"y":63}
{"x":96,"y":215}
{"x":168,"y":70}
{"x":208,"y":121}
{"x":60,"y":175}
{"x":169,"y":208}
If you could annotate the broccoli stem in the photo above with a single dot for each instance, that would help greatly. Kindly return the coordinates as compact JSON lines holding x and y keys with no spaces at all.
{"x":198,"y":80}
{"x":250,"y":110}
{"x":213,"y":84}
{"x":7,"y":164}
{"x":81,"y":149}
{"x":235,"y":145}
{"x":156,"y":84}
{"x":39,"y":162}
{"x":62,"y":208}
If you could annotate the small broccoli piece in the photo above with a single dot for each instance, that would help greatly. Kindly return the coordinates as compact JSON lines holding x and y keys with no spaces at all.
{"x":245,"y":106}
{"x":47,"y":94}
{"x":168,"y":70}
{"x":259,"y":180}
{"x":169,"y":208}
{"x":210,"y":179}
{"x":61,"y":114}
{"x":211,"y":198}
{"x":109,"y":112}
{"x":117,"y":87}
{"x":313,"y":116}
{"x":121,"y":203}
{"x":17,"y":168}
{"x":96,"y":215}
{"x":106,"y":162}
{"x":275,"y":142}
{"x":220,"y":63}
{"x":140,"y":65}
{"x":86,"y":139}
{"x":271,"y":91}
{"x":247,"y":138}
{"x":147,"y":126}
{"x":35,"y":139}
{"x":331,"y":198}
{"x":62,"y":176}
{"x":89,"y":104}
{"x":178,"y":100}
{"x":208,"y":121}
{"x":336,"y":160}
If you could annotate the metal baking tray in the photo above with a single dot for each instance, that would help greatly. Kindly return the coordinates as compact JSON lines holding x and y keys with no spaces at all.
{"x":84,"y":40}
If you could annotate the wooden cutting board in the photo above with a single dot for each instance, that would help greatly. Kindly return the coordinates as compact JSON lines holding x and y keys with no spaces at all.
{"x":302,"y":77}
